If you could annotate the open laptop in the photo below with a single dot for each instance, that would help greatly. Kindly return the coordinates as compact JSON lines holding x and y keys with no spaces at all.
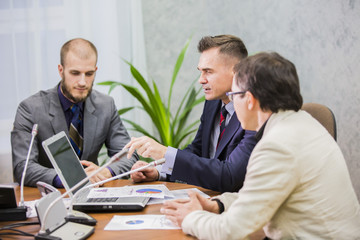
{"x":68,"y":167}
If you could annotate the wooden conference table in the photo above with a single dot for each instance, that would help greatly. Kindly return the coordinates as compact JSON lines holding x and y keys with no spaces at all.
{"x":104,"y":218}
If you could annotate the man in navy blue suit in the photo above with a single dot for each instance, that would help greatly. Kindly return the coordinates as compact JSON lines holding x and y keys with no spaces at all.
{"x":218,"y":156}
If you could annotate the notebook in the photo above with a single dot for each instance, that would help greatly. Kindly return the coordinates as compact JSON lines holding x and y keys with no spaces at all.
{"x":69,"y":169}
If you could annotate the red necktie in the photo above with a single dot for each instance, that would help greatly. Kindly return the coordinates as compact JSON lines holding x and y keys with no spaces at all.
{"x":223,"y":114}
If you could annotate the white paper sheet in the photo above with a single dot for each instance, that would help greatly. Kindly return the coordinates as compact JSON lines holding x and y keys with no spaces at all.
{"x":137,"y":222}
{"x":177,"y":194}
{"x":153,"y":191}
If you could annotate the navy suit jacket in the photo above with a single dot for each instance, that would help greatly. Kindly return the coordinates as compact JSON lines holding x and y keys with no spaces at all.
{"x":226,"y":171}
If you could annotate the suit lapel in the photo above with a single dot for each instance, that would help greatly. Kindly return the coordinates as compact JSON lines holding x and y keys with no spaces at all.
{"x":90,"y":123}
{"x":230,"y":130}
{"x":212,"y":110}
{"x":56,"y":114}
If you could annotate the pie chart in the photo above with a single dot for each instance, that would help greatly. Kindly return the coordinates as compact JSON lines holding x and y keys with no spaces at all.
{"x":134,"y":222}
{"x":148,"y":190}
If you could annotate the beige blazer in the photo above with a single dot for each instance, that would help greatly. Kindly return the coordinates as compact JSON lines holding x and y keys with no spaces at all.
{"x":297,"y":186}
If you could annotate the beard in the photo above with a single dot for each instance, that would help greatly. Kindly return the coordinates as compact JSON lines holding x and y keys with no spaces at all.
{"x":66,"y":90}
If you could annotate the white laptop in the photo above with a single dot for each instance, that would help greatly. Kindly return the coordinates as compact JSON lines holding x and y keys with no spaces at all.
{"x":68,"y":167}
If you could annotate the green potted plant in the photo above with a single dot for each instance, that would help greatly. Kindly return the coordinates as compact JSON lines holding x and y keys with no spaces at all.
{"x":172,"y":128}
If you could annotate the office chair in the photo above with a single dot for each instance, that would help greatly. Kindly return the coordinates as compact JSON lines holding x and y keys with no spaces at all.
{"x":323,"y":114}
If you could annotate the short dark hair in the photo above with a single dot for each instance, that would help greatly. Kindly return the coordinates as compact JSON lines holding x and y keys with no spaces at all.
{"x":227,"y":44}
{"x":77,"y":45}
{"x":271,"y":79}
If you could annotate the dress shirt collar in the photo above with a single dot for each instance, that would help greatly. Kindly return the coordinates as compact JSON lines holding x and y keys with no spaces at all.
{"x":229,"y":108}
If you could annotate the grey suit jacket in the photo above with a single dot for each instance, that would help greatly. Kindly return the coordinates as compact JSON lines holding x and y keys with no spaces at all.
{"x":102,"y":125}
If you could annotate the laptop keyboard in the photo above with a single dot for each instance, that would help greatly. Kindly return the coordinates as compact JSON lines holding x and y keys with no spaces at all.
{"x":114,"y":199}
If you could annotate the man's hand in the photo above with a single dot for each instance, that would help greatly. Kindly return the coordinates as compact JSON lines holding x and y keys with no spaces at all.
{"x":146,"y":175}
{"x":177,"y":210}
{"x":146,"y":147}
{"x":91,"y":167}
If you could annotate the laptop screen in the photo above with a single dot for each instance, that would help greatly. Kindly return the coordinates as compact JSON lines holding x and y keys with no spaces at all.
{"x":66,"y":160}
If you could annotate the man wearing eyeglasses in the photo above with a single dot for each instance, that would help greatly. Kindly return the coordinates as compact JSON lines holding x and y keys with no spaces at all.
{"x":218,"y":156}
{"x":297,"y":183}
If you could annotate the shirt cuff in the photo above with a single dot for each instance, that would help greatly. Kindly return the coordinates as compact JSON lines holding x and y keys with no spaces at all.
{"x":162,"y":176}
{"x":168,"y":166}
{"x":57,"y":182}
{"x":111,"y":171}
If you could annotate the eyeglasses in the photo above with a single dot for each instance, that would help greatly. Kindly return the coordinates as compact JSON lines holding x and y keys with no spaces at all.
{"x":231,"y":94}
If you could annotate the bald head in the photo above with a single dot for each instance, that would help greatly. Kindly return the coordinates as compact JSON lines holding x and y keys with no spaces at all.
{"x":82,"y":48}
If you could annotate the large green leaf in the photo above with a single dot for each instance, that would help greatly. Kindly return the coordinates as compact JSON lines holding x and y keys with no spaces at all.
{"x":124,"y":110}
{"x":149,"y":108}
{"x":112,"y":85}
{"x":184,"y":115}
{"x":184,"y":99}
{"x":181,"y":138}
{"x":177,"y":67}
{"x":140,"y":79}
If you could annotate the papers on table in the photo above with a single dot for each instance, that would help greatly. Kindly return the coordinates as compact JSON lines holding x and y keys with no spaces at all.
{"x":158,"y":193}
{"x":177,"y":194}
{"x":153,"y":191}
{"x":137,"y":222}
